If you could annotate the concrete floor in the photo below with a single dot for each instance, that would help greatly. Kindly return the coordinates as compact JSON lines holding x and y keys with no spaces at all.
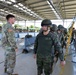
{"x":26,"y":64}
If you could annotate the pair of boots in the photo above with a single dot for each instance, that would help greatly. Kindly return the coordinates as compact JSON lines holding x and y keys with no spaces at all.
{"x":5,"y":71}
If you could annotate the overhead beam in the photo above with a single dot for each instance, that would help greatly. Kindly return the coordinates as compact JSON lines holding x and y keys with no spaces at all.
{"x":47,"y":10}
{"x":65,"y":1}
{"x":42,"y":8}
{"x":18,"y":1}
{"x":4,"y":5}
{"x":32,"y":9}
{"x":66,"y":5}
{"x":38,"y":6}
{"x":59,"y":8}
{"x":54,"y":10}
{"x":36,"y":2}
{"x":69,"y":8}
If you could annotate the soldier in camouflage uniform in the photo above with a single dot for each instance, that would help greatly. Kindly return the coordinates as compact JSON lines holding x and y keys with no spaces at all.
{"x":9,"y":44}
{"x":53,"y":30}
{"x":61,"y":35}
{"x":61,"y":40}
{"x":65,"y":37}
{"x":74,"y":39}
{"x":43,"y":47}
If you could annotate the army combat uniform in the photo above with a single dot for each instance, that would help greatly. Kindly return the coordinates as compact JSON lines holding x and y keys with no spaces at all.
{"x":74,"y":39}
{"x":61,"y":35}
{"x":53,"y":30}
{"x":43,"y":49}
{"x":9,"y":44}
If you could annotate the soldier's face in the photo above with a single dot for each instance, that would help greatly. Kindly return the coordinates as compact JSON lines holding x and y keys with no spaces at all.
{"x":44,"y":28}
{"x":59,"y":31}
{"x":12,"y":20}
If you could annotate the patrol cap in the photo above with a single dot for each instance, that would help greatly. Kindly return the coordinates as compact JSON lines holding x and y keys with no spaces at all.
{"x":46,"y":22}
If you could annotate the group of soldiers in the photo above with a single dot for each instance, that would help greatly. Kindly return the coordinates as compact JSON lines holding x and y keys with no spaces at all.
{"x":49,"y":44}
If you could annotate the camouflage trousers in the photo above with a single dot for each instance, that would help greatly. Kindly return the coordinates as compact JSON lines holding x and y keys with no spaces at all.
{"x":10,"y":59}
{"x":44,"y":63}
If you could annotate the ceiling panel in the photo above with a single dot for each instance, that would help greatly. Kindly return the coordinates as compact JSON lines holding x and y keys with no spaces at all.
{"x":39,"y":9}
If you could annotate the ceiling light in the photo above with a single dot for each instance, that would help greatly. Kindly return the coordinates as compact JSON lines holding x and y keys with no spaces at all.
{"x":13,"y":1}
{"x":2,"y":0}
{"x":8,"y":2}
{"x":20,"y":4}
{"x":1,"y":10}
{"x":20,"y":8}
{"x":55,"y":12}
{"x":16,"y":6}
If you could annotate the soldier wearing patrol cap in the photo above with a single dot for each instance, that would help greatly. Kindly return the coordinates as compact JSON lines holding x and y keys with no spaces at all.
{"x":9,"y":44}
{"x":43,"y":46}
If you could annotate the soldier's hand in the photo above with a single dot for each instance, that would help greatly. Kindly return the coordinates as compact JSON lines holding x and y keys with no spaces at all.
{"x":34,"y":56}
{"x":63,"y":63}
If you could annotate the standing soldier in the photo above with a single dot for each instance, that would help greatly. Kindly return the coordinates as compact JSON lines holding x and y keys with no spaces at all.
{"x":42,"y":49}
{"x":61,"y":40}
{"x":53,"y":30}
{"x":61,"y":35}
{"x":9,"y":44}
{"x":74,"y":39}
{"x":65,"y":37}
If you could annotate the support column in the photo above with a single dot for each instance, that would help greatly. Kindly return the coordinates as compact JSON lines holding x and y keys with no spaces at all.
{"x":34,"y":26}
{"x":63,"y":22}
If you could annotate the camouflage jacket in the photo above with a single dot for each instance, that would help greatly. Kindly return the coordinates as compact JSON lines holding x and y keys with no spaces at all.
{"x":43,"y":45}
{"x":8,"y":36}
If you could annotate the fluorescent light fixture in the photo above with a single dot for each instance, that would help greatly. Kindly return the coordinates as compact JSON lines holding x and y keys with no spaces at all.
{"x":28,"y":11}
{"x":21,"y":8}
{"x":1,"y":10}
{"x":53,"y":10}
{"x":31,"y":14}
{"x":25,"y":9}
{"x":16,"y":6}
{"x":13,"y":1}
{"x":6,"y":11}
{"x":2,"y":0}
{"x":20,"y":4}
{"x":8,"y":2}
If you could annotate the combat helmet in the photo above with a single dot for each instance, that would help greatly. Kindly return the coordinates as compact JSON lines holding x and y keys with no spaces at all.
{"x":46,"y":22}
{"x":54,"y":27}
{"x":60,"y":27}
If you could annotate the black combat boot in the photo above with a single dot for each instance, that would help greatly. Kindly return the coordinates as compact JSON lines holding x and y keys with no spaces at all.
{"x":5,"y":70}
